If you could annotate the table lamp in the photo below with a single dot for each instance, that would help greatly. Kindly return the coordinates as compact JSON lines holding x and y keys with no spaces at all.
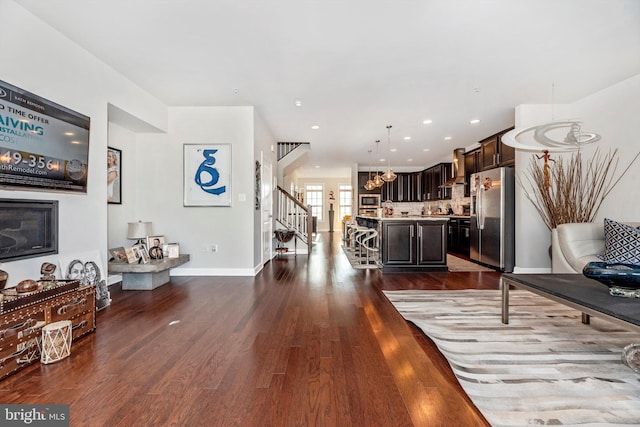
{"x":139,"y":231}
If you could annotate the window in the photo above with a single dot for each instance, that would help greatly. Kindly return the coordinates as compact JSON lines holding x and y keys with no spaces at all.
{"x":314,"y":200}
{"x":346,"y":200}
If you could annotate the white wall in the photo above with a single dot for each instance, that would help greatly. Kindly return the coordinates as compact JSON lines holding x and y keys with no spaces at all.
{"x":121,"y":214}
{"x":613,"y":114}
{"x":159,"y":181}
{"x":40,"y":60}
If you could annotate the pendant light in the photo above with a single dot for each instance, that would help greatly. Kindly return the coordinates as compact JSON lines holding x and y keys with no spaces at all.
{"x":377,"y":180}
{"x":389,"y":176}
{"x":369,"y":185}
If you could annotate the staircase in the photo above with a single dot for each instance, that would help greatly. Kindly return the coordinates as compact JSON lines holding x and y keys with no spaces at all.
{"x":295,"y":216}
{"x":290,"y":212}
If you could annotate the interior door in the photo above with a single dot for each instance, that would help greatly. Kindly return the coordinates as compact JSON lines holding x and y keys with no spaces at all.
{"x":267,"y":212}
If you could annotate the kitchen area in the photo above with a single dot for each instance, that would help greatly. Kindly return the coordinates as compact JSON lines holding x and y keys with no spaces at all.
{"x":463,"y":208}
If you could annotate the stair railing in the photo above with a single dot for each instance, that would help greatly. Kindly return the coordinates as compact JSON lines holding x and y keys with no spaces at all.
{"x":294,"y":215}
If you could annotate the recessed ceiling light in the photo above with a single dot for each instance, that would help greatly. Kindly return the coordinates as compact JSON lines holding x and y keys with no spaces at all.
{"x":409,"y":160}
{"x":474,"y":121}
{"x":314,"y":127}
{"x":383,"y":159}
{"x":406,"y":138}
{"x":298,"y":103}
{"x":317,"y":166}
{"x":69,"y":133}
{"x":427,"y":121}
{"x":447,"y":138}
{"x":426,"y":149}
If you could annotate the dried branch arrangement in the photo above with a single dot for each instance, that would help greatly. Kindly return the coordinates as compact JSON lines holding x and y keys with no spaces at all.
{"x":572,"y":190}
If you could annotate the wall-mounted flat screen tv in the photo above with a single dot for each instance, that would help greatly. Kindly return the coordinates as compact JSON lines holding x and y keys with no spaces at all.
{"x":43,"y":146}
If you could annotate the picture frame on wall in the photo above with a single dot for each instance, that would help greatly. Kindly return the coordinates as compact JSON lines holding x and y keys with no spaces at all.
{"x":258,"y":189}
{"x":114,"y":176}
{"x":207,"y":175}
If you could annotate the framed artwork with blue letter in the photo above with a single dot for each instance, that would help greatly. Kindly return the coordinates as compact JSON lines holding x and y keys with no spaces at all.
{"x":207,"y":174}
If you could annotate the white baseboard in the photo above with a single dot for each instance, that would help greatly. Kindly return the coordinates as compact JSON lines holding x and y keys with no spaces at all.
{"x":525,"y":270}
{"x":113,"y":279}
{"x":212,"y":272}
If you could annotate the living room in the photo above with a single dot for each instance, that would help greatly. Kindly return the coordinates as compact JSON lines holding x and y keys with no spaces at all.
{"x":151,"y":135}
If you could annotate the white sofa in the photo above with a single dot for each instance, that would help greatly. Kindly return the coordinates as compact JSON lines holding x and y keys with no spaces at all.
{"x":574,"y":245}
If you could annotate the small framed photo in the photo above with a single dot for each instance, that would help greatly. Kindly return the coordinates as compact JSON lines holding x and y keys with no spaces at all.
{"x":172,"y":250}
{"x":114,"y":176}
{"x":155,"y":244}
{"x":144,"y":255}
{"x":133,"y":255}
{"x":207,"y":175}
{"x":118,"y":255}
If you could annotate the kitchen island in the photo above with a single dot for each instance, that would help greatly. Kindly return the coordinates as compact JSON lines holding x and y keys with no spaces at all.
{"x":410,"y":243}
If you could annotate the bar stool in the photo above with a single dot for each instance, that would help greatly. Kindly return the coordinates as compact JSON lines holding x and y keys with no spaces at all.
{"x":356,"y":231}
{"x":368,"y":241}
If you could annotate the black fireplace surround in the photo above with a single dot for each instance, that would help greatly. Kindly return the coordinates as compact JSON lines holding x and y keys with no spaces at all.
{"x":28,"y":228}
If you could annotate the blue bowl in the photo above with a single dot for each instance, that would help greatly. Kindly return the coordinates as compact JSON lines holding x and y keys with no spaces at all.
{"x":614,"y":275}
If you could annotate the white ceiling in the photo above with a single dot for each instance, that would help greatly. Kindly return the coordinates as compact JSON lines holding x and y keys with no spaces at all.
{"x":360,"y":65}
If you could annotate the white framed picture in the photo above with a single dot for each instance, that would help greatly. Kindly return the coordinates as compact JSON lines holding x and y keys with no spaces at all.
{"x":207,"y":175}
{"x":144,"y":255}
{"x":172,"y":250}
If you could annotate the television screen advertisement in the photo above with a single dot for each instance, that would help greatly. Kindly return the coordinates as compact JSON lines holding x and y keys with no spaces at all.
{"x":43,"y":146}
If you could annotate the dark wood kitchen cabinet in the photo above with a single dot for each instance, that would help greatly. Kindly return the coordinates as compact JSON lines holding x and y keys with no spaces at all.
{"x":472,"y":164}
{"x":433,"y":180}
{"x":406,"y":187}
{"x":389,"y":191}
{"x":494,"y":153}
{"x":363,"y":177}
{"x":458,"y":237}
{"x":414,"y":245}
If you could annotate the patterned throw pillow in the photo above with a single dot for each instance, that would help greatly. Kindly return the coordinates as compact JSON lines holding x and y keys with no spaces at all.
{"x":621,"y":243}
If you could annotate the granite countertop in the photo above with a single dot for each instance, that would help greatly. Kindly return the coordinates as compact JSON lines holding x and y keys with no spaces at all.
{"x":415,"y":217}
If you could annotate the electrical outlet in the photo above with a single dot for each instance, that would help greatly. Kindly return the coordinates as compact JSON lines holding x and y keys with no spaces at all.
{"x":214,"y":248}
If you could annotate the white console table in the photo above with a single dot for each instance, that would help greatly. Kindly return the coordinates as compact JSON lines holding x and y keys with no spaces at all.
{"x":146,"y":276}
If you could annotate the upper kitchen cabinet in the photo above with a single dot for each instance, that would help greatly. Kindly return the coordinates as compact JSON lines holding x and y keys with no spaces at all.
{"x":433,"y":180}
{"x":363,"y":177}
{"x":472,"y":164}
{"x":493,"y":153}
{"x":405,"y":188}
{"x":390,"y":191}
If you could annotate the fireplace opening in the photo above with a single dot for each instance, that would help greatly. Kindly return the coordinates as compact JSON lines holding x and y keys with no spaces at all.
{"x":28,"y":228}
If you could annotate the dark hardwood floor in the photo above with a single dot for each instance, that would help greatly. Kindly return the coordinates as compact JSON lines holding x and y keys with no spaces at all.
{"x":307,"y":342}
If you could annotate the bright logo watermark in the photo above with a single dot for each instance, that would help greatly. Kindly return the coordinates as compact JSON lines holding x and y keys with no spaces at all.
{"x":34,"y":415}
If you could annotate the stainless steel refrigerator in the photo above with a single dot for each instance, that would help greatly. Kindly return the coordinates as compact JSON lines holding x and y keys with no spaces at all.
{"x":493,"y":218}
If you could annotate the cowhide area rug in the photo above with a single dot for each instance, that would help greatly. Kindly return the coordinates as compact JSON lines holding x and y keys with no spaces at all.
{"x":544,"y":368}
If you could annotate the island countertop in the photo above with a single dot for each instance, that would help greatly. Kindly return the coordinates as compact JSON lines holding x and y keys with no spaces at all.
{"x":413,"y":217}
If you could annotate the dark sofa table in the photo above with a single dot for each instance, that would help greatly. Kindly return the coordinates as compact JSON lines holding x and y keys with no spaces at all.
{"x":576,"y":291}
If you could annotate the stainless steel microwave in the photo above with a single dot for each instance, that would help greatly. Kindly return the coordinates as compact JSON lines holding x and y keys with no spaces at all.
{"x":369,"y":201}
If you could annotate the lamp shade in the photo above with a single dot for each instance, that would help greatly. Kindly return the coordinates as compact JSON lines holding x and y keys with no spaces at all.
{"x":137,"y":230}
